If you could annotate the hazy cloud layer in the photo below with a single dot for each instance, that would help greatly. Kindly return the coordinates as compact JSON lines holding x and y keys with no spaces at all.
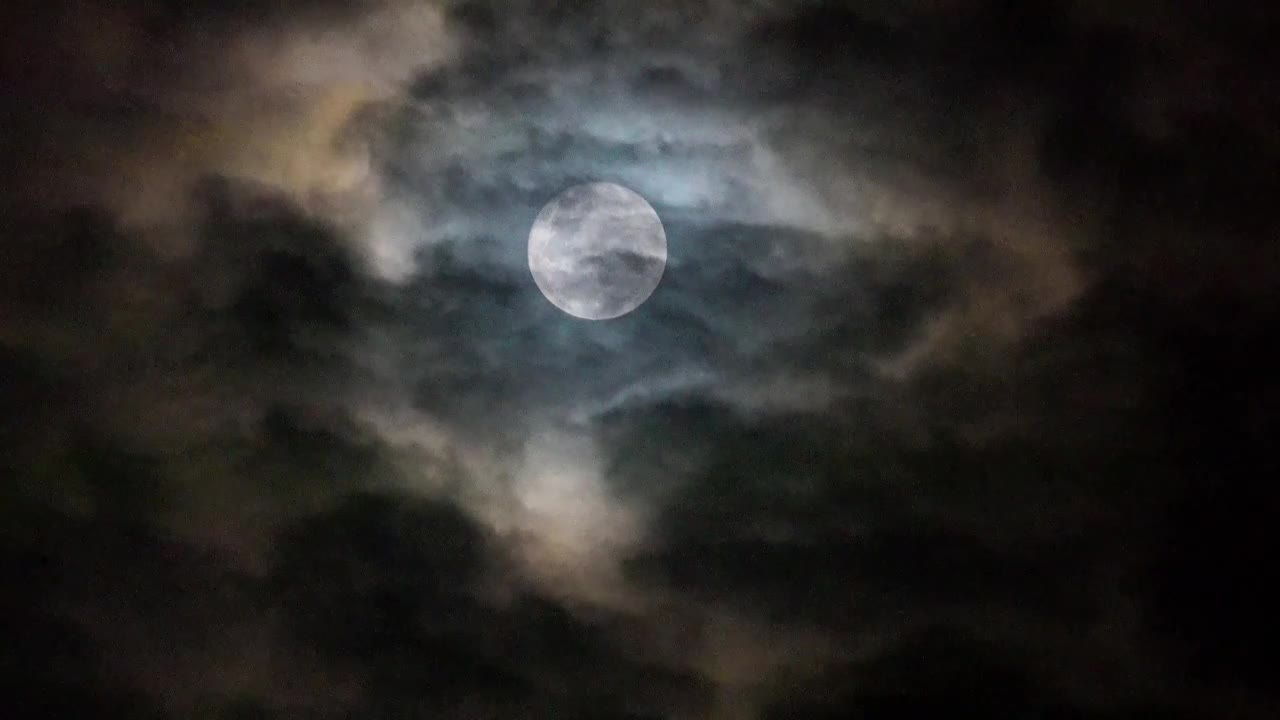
{"x":954,"y":394}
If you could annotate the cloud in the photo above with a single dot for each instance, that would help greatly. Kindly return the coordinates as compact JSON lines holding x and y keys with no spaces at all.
{"x":965,"y":305}
{"x":162,"y":98}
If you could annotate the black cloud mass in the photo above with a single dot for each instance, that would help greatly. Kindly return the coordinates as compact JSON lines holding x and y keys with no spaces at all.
{"x":955,"y":395}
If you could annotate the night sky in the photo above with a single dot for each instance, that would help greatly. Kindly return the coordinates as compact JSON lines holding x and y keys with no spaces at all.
{"x":953,"y":399}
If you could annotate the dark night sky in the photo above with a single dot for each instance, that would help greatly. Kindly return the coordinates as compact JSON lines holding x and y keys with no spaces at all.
{"x":953,"y":398}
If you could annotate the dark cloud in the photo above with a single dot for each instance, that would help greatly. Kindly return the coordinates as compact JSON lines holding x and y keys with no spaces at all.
{"x":955,"y":393}
{"x":393,"y":587}
{"x":934,"y":671}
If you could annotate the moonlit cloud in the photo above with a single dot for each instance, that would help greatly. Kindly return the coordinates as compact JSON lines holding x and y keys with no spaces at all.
{"x":965,"y":304}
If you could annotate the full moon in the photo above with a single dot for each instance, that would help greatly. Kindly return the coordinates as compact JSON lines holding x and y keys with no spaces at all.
{"x":597,"y":251}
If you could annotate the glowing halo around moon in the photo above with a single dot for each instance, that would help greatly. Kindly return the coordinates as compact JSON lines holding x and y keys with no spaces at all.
{"x":597,"y":251}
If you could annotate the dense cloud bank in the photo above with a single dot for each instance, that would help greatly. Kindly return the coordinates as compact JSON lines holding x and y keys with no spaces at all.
{"x":955,"y":394}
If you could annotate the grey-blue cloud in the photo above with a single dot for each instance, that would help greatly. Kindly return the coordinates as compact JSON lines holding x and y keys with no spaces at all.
{"x":932,"y":357}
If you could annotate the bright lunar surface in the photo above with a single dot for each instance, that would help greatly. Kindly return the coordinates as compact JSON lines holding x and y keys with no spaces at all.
{"x":597,"y":251}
